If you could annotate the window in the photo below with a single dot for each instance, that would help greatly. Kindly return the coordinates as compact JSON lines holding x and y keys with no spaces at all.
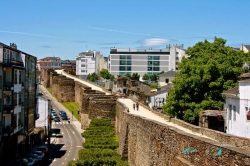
{"x":19,"y":118}
{"x":128,"y":56}
{"x":234,"y":110}
{"x":82,"y":60}
{"x":176,"y":63}
{"x":128,"y":62}
{"x":149,"y":68}
{"x":128,"y":68}
{"x":156,"y":58}
{"x":82,"y":65}
{"x":230,"y":112}
{"x":122,"y":56}
{"x":149,"y":63}
{"x":122,"y":62}
{"x":149,"y":57}
{"x":177,"y":58}
{"x":167,"y":80}
{"x":156,"y":69}
{"x":20,"y":77}
{"x":122,"y":68}
{"x":156,"y":63}
{"x":19,"y":98}
{"x":15,"y":76}
{"x":83,"y":71}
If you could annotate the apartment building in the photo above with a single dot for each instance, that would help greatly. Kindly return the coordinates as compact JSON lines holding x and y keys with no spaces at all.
{"x":47,"y":63}
{"x":18,"y":101}
{"x":144,"y":61}
{"x":89,"y":62}
{"x":68,"y":64}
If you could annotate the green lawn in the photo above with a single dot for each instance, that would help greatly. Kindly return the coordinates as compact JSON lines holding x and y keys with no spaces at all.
{"x":72,"y":107}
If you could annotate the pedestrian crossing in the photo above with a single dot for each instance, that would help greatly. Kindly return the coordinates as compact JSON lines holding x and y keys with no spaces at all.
{"x":60,"y":122}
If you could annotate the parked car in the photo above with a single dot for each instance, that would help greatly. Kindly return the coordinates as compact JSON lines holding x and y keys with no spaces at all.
{"x":64,"y":117}
{"x":53,"y":111}
{"x":57,"y":119}
{"x":28,"y":161}
{"x":39,"y":154}
{"x":54,"y":115}
{"x":44,"y":149}
{"x":34,"y":157}
{"x":62,"y":112}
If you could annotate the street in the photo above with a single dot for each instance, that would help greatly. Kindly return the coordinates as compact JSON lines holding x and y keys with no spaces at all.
{"x":66,"y":147}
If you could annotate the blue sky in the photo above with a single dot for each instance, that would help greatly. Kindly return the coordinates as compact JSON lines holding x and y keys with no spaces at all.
{"x":64,"y":28}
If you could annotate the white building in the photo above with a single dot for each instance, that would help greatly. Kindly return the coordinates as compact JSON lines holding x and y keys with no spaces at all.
{"x":44,"y":108}
{"x":237,"y":109}
{"x":166,"y":78}
{"x":145,"y":61}
{"x":158,"y":98}
{"x":89,"y":62}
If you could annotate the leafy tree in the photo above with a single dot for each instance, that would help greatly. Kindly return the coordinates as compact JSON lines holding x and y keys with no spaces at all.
{"x":145,"y":77}
{"x":154,"y":77}
{"x":104,"y":73}
{"x":128,"y":75}
{"x":160,"y":73}
{"x":135,"y":76}
{"x":211,"y":69}
{"x":92,"y":77}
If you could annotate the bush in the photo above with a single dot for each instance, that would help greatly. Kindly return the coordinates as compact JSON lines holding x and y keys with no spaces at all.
{"x":100,"y":145}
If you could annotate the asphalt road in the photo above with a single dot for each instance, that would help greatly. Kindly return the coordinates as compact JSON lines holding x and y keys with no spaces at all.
{"x":66,"y":147}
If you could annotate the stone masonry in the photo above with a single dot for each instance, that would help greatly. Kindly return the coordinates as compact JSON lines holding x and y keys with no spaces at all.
{"x":144,"y":142}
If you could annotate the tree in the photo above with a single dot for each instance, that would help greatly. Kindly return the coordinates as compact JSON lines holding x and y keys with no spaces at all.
{"x":128,"y":75}
{"x":92,"y":77}
{"x":145,"y":77}
{"x":154,"y":77}
{"x":104,"y":73}
{"x":135,"y":76}
{"x":211,"y":69}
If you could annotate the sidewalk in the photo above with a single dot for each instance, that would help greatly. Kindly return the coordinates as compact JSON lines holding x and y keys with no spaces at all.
{"x":74,"y":121}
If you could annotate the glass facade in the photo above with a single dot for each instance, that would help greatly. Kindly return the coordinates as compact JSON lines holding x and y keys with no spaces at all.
{"x":153,"y":64}
{"x":125,"y":64}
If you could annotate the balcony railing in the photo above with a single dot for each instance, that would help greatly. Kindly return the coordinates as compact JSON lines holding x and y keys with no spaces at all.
{"x":10,"y":62}
{"x":8,"y":84}
{"x":8,"y":130}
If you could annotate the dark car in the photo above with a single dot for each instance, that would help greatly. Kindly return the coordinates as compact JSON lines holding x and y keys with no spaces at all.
{"x":27,"y":161}
{"x":64,"y":117}
{"x":43,"y":149}
{"x":39,"y":154}
{"x":62,"y":112}
{"x":57,"y":119}
{"x":34,"y":157}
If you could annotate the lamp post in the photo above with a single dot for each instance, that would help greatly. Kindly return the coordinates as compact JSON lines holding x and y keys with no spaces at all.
{"x":72,"y":115}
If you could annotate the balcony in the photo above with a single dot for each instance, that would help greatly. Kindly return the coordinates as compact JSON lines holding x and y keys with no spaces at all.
{"x":12,"y":62}
{"x":8,"y":85}
{"x":8,"y":130}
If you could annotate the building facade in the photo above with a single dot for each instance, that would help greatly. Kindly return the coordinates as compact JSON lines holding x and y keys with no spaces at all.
{"x":47,"y":63}
{"x":142,"y":61}
{"x":18,"y":101}
{"x":237,"y":109}
{"x":89,"y":62}
{"x":68,"y":64}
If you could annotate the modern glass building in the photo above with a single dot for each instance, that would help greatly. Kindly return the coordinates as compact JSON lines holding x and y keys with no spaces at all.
{"x":144,"y":61}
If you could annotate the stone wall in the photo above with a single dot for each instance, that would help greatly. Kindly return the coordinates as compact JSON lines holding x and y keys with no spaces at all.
{"x":66,"y":91}
{"x":46,"y":77}
{"x":102,"y":107}
{"x":144,"y":142}
{"x":79,"y":91}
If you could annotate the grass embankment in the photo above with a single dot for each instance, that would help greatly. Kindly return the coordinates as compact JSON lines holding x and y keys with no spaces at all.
{"x":73,"y":107}
{"x":100,"y":146}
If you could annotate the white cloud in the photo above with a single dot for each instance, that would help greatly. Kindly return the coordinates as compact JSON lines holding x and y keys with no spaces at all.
{"x":154,"y":42}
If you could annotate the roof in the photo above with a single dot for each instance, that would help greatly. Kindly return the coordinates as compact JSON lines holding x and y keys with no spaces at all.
{"x":51,"y":58}
{"x":233,"y":91}
{"x":212,"y":112}
{"x":68,"y":61}
{"x":247,"y":46}
{"x":163,"y":89}
{"x":170,"y":73}
{"x":9,"y":47}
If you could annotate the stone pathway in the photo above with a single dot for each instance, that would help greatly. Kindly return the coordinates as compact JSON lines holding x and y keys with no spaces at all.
{"x":143,"y":112}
